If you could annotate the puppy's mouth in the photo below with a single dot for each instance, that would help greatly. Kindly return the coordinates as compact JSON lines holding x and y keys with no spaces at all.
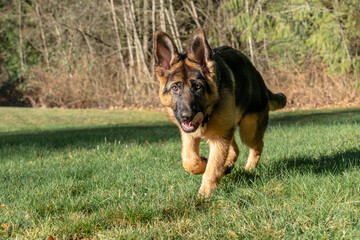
{"x":192,"y":125}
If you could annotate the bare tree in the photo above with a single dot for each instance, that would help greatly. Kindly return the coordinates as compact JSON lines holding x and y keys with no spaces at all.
{"x":145,"y":28}
{"x":192,"y":10}
{"x":20,"y":39}
{"x":162,"y":16}
{"x":46,"y":52}
{"x":118,"y":43}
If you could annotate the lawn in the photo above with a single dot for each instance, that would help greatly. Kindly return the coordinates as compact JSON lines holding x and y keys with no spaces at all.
{"x":110,"y":174}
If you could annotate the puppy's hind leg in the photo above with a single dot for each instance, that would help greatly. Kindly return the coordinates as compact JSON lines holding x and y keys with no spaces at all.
{"x":252,"y":129}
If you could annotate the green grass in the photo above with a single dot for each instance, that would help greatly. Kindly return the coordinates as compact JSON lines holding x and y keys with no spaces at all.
{"x":117,"y":174}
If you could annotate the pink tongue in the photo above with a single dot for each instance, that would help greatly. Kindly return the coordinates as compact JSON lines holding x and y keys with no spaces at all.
{"x":198,"y":118}
{"x":187,"y":126}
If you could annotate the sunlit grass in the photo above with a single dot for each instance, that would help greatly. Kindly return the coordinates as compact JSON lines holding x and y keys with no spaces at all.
{"x":118,"y":174}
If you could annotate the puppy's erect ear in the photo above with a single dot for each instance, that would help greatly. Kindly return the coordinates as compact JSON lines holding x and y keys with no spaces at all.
{"x":199,"y":49}
{"x":165,"y":51}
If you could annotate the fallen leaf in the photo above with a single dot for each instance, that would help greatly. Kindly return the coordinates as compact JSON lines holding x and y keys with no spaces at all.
{"x":70,"y":156}
{"x":49,"y":237}
{"x":232,"y":234}
{"x":5,"y":225}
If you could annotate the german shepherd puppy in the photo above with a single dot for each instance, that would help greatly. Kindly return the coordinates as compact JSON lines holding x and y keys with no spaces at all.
{"x":208,"y":93}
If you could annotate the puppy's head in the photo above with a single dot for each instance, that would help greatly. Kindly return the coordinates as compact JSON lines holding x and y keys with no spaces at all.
{"x":187,"y":80}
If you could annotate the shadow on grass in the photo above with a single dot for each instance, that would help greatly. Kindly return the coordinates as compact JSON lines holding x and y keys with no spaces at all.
{"x":324,"y":117}
{"x":334,"y":164}
{"x":89,"y":137}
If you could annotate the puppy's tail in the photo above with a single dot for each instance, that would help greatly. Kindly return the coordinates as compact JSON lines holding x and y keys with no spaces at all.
{"x":276,"y":101}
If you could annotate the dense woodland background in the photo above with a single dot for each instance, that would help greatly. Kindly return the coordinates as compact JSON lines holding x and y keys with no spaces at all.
{"x":93,"y":53}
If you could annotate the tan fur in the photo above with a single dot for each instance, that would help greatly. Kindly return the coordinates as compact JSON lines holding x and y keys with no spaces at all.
{"x":224,"y":115}
{"x":223,"y":148}
{"x":252,"y":129}
{"x":232,"y":155}
{"x":219,"y":148}
{"x":167,"y":100}
{"x":191,"y":159}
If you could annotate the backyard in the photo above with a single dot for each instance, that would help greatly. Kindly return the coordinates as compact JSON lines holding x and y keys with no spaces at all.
{"x":71,"y":174}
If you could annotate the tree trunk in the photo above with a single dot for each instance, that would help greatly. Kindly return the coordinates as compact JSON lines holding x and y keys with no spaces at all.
{"x":129,"y":40}
{"x":162,"y":16}
{"x":21,"y":40}
{"x":119,"y":48}
{"x":177,"y":35}
{"x":192,"y":12}
{"x":249,"y":38}
{"x":138,"y":46}
{"x":153,"y":19}
{"x":43,"y":37}
{"x":145,"y":28}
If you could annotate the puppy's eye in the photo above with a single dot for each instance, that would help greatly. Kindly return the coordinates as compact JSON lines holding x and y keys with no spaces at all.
{"x":198,"y":87}
{"x":175,"y":87}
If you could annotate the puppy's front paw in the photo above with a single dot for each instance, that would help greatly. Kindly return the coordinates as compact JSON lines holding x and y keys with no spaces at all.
{"x":204,"y":193}
{"x":206,"y":189}
{"x":195,"y":165}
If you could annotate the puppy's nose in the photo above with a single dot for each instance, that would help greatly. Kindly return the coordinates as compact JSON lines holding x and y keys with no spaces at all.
{"x":186,"y":115}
